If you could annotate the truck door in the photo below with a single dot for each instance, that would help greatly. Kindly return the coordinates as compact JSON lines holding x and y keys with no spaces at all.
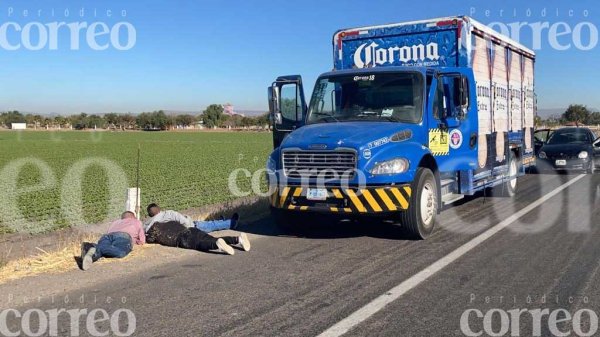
{"x":539,"y":139}
{"x":452,"y":121}
{"x":287,"y":106}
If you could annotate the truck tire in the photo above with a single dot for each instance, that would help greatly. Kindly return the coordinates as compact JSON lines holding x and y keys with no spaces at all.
{"x":509,"y":188}
{"x":419,"y":218}
{"x":592,"y":167}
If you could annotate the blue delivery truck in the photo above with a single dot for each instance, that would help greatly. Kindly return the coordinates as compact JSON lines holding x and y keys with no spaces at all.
{"x":412,"y":117}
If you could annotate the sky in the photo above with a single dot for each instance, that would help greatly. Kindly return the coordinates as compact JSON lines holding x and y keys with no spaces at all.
{"x":189,"y":54}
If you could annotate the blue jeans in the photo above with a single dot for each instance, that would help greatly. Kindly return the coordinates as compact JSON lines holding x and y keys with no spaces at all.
{"x":116,"y":244}
{"x":214,"y":225}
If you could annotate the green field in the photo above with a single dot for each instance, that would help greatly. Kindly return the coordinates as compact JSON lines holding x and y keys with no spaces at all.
{"x":62,"y":180}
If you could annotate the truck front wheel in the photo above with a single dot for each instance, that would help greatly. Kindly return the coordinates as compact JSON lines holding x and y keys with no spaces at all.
{"x":419,"y":218}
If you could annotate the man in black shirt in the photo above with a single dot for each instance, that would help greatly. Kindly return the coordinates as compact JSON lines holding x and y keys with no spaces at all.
{"x":176,"y":234}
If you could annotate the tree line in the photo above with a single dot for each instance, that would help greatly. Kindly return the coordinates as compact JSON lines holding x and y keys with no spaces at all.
{"x":575,"y":113}
{"x":212,"y":117}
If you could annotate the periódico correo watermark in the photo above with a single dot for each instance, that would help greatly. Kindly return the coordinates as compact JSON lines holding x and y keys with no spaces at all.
{"x":556,"y":322}
{"x":38,"y":35}
{"x":95,"y":322}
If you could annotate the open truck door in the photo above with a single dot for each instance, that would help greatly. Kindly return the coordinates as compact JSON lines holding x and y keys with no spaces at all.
{"x":452,"y":121}
{"x":540,"y":137}
{"x":287,"y":106}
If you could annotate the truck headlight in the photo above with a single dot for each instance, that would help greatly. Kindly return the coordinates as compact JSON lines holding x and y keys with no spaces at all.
{"x":394,"y":166}
{"x":583,"y":155}
{"x":542,"y":155}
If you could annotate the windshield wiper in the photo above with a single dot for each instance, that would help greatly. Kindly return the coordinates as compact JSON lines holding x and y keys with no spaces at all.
{"x":367,"y":114}
{"x":326,"y":116}
{"x":390,"y":118}
{"x":375,"y":118}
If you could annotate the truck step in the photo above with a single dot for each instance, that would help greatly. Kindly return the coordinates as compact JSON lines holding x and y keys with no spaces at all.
{"x":450,"y":198}
{"x":446,"y":182}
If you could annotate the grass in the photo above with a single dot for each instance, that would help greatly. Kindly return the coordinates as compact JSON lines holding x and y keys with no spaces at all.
{"x":56,"y":179}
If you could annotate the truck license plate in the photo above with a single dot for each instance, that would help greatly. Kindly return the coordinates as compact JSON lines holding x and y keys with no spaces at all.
{"x":316,"y":194}
{"x":561,"y":162}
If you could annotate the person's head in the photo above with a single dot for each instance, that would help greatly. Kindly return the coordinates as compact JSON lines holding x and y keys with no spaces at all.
{"x":128,"y":215}
{"x":153,"y":209}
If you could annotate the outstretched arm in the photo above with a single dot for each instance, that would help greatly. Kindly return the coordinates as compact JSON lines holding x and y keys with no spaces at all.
{"x":184,"y":220}
{"x":141,"y":237}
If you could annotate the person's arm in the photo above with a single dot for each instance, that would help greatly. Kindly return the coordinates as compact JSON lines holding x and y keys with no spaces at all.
{"x":182,"y":219}
{"x":147,"y":223}
{"x":141,"y":235}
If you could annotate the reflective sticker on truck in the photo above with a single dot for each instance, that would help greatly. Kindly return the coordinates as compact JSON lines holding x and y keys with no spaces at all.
{"x":438,"y":142}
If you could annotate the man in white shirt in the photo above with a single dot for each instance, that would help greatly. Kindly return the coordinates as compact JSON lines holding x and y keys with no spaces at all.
{"x":158,"y":215}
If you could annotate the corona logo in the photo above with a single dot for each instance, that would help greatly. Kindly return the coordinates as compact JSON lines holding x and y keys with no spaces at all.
{"x":370,"y":55}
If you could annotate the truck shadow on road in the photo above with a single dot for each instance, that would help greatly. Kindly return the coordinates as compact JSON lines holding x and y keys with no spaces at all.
{"x":329,"y":227}
{"x":257,"y":220}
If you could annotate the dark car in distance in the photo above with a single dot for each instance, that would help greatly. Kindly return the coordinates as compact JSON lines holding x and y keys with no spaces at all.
{"x":571,"y":148}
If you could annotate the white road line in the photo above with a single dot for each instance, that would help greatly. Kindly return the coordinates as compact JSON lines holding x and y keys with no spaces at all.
{"x":393,"y":294}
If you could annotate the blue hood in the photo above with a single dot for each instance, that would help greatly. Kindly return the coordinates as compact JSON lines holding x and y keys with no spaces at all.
{"x":343,"y":134}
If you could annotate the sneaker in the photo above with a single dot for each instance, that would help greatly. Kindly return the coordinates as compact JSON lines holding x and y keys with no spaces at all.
{"x":84,"y":248}
{"x":224,"y":247}
{"x":235,"y":219}
{"x":244,"y":242}
{"x":87,"y":259}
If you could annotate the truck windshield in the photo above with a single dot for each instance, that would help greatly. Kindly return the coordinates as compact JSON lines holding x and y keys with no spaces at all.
{"x":395,"y":97}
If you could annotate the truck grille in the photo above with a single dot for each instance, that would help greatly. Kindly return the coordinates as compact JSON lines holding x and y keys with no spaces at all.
{"x":319,"y":164}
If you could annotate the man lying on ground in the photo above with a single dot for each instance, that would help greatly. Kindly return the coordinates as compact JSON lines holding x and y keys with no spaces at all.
{"x":176,"y":234}
{"x":205,"y":226}
{"x":117,"y":243}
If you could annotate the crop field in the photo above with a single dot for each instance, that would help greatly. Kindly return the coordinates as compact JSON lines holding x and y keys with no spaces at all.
{"x":50,"y":180}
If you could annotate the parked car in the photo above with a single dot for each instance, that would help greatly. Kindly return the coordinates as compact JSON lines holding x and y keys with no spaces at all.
{"x":571,"y":148}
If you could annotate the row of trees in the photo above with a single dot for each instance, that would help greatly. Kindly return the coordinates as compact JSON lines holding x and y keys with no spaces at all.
{"x":575,"y":113}
{"x":581,"y":114}
{"x":212,"y":117}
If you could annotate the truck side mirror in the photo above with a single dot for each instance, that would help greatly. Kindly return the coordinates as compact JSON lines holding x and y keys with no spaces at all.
{"x":596,"y":143}
{"x":464,"y":92}
{"x":463,"y":96}
{"x":274,"y":104}
{"x":445,"y":107}
{"x":277,"y":118}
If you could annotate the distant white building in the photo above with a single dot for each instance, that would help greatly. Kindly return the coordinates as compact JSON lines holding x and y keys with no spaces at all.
{"x":18,"y":126}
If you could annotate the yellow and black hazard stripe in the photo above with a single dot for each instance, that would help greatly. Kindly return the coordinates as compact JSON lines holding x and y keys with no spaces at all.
{"x":369,"y":200}
{"x":439,"y":153}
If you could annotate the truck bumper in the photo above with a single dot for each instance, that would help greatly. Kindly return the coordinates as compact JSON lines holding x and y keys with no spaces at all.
{"x":370,"y":200}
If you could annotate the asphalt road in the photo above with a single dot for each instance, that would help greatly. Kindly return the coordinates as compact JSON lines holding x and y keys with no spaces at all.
{"x":306,"y":283}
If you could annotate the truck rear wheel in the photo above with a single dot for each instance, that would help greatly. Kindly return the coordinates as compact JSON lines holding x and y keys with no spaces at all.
{"x":419,"y":218}
{"x":592,"y":167}
{"x":509,"y":188}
